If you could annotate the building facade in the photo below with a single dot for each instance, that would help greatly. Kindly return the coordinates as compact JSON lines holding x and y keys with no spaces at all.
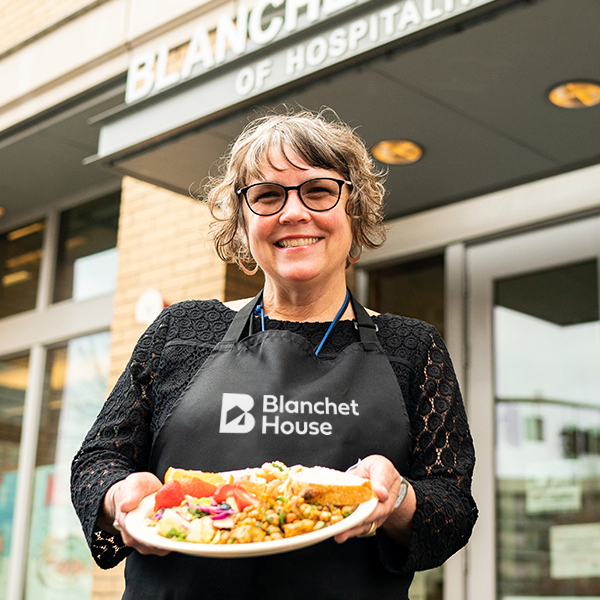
{"x":113,"y":113}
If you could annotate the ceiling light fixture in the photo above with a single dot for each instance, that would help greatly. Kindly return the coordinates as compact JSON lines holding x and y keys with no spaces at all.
{"x":397,"y":152}
{"x":575,"y":94}
{"x":2,"y":211}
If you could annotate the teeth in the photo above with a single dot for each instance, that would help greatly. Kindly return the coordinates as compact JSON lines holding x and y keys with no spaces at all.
{"x":297,"y":242}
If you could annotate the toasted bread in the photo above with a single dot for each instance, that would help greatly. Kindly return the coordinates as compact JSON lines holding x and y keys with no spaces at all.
{"x":319,"y":484}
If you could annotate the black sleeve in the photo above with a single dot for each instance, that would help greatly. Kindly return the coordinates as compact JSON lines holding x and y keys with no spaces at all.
{"x":442,"y":457}
{"x":118,"y":443}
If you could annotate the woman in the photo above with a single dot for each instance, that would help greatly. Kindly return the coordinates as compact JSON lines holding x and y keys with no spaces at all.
{"x":212,"y":388}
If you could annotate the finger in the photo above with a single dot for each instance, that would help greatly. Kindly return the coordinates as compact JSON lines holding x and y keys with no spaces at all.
{"x":381,"y":473}
{"x":142,"y":548}
{"x":362,"y":529}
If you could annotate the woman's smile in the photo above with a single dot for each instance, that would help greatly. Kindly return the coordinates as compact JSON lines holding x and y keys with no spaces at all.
{"x":295,"y":242}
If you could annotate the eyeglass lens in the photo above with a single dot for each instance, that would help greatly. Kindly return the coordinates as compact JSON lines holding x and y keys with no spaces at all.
{"x":316,"y":194}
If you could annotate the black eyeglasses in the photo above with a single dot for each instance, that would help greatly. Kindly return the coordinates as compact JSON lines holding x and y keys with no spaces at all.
{"x":266,"y":199}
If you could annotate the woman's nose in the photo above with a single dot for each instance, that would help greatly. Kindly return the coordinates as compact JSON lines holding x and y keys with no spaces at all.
{"x":294,"y":209}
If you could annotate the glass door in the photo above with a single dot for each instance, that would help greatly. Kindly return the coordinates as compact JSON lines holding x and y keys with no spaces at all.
{"x":533,"y":390}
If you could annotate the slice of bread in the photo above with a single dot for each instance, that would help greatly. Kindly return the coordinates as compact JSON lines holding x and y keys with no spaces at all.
{"x":328,"y":486}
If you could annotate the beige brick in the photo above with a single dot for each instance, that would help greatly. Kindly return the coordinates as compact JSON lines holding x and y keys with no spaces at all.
{"x":24,"y":18}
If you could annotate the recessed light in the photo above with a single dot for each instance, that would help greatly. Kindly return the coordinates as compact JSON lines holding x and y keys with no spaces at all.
{"x":397,"y":152}
{"x":575,"y":94}
{"x":2,"y":211}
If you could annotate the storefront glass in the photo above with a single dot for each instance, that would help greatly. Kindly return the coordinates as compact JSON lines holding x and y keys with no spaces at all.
{"x":412,"y":289}
{"x":13,"y":383}
{"x":87,"y":255}
{"x":20,"y":257}
{"x":59,"y":564}
{"x":547,"y":389}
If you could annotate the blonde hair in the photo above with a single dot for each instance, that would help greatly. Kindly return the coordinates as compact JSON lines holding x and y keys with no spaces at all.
{"x":321,"y":143}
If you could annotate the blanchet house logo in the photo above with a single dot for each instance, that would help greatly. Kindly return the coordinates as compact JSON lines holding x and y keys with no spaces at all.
{"x":236,"y":416}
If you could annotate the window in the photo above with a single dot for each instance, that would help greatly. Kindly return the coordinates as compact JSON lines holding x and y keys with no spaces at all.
{"x":86,"y":264}
{"x":412,"y":289}
{"x":43,"y":554}
{"x":58,"y":561}
{"x":20,"y":257}
{"x":13,"y":383}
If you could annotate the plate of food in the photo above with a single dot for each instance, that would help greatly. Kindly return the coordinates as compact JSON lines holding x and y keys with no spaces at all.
{"x":252,"y":512}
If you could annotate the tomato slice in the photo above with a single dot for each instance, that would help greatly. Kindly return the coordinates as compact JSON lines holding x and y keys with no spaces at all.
{"x":169,"y":495}
{"x":244,"y":498}
{"x":240,"y":495}
{"x":196,"y":487}
{"x":223,"y":492}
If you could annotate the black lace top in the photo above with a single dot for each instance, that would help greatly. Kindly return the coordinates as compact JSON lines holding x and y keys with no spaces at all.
{"x":173,"y":348}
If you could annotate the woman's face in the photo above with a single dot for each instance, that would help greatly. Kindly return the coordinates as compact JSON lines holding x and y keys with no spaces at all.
{"x":299,"y":245}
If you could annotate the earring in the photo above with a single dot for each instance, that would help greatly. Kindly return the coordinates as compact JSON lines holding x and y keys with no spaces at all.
{"x":354,"y":259}
{"x":247,"y":271}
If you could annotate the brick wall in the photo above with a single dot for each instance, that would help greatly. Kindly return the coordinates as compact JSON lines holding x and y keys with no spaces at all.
{"x":162,"y":245}
{"x":20,"y":19}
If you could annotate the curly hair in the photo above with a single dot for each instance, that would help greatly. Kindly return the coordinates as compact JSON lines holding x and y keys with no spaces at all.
{"x":321,"y":143}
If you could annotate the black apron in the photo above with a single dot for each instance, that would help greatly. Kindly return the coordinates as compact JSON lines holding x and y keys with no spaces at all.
{"x":265,"y":397}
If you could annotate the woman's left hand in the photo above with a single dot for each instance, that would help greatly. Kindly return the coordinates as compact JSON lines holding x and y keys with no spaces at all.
{"x":385,"y":481}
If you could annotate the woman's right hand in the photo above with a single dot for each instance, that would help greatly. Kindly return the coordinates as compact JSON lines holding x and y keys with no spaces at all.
{"x":123,"y":497}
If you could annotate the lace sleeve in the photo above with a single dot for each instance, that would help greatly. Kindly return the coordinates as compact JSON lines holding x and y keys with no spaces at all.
{"x":118,"y":443}
{"x":442,"y":460}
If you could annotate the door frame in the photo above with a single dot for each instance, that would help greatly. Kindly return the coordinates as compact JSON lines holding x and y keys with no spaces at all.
{"x":545,"y":248}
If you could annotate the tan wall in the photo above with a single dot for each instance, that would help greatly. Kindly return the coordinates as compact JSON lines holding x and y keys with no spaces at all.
{"x":21,"y":19}
{"x":162,"y":245}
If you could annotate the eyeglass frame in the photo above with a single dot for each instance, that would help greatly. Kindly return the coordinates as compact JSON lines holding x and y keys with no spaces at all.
{"x":288,"y":188}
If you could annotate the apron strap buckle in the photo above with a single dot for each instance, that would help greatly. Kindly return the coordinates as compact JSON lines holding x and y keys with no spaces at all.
{"x":368,"y":325}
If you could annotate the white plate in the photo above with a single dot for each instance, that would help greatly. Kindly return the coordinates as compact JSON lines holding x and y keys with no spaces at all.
{"x":148,"y":535}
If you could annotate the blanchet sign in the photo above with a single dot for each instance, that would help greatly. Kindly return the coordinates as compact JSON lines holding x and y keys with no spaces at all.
{"x":252,"y":29}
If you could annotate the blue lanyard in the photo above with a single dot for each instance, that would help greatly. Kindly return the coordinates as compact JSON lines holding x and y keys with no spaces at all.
{"x":260,"y":311}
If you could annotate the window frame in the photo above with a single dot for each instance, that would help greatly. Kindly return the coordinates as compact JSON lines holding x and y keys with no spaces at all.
{"x":33,"y":332}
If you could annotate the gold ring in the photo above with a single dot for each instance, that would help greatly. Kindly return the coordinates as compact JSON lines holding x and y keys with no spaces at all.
{"x":371,"y":532}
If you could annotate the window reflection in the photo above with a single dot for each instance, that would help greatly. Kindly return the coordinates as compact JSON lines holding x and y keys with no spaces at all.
{"x":59,"y":562}
{"x":87,"y":254}
{"x":20,"y":257}
{"x":547,"y":387}
{"x":13,"y":384}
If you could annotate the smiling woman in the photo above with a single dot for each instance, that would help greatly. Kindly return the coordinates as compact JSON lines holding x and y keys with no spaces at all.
{"x":295,"y":183}
{"x":301,"y":373}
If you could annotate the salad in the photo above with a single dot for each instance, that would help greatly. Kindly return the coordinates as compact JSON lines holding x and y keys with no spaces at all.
{"x":255,"y":505}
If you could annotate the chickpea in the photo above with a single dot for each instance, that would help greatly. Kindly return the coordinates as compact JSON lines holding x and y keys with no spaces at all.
{"x":325,"y":516}
{"x":271,"y":529}
{"x":271,"y":516}
{"x":290,"y":517}
{"x":336,"y":519}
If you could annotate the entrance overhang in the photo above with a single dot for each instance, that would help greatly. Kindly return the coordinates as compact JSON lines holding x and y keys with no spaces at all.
{"x":466,"y":79}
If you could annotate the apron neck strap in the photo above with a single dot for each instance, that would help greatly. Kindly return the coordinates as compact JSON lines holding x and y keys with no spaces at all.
{"x":366,"y":328}
{"x":236,"y":329}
